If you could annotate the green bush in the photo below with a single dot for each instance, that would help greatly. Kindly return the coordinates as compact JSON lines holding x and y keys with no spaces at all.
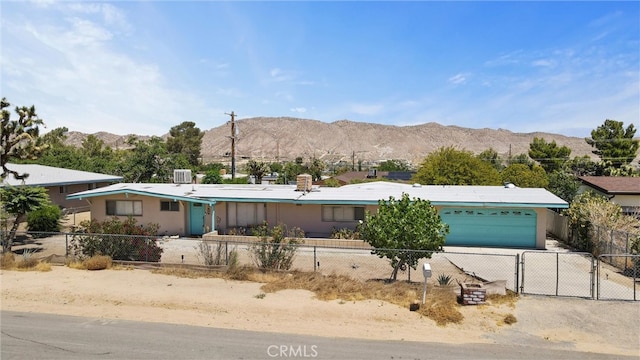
{"x":45,"y":219}
{"x":121,"y":240}
{"x":277,"y":246}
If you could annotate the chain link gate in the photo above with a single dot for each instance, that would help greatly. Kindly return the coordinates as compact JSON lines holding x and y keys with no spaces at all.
{"x":558,"y":274}
{"x":618,"y":276}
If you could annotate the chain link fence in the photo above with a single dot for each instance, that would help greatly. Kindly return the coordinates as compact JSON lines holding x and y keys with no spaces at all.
{"x":612,"y":286}
{"x":529,"y":272}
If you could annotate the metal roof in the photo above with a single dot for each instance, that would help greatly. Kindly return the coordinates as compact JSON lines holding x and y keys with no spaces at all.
{"x":41,"y":175}
{"x":356,"y":194}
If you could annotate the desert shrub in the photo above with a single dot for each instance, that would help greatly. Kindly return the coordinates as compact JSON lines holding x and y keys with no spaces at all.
{"x":120,"y":240}
{"x":344,"y":233}
{"x":510,"y":319}
{"x":8,"y":261}
{"x":27,"y":260}
{"x":45,"y":219}
{"x":210,"y":254}
{"x":98,"y":262}
{"x":444,"y":279}
{"x":277,"y":246}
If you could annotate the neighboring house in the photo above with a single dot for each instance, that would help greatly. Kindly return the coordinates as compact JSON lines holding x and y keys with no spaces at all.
{"x":621,"y":190}
{"x":478,"y":215}
{"x":59,"y":182}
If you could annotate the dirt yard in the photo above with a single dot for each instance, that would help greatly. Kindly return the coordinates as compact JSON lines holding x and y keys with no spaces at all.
{"x":565,"y":323}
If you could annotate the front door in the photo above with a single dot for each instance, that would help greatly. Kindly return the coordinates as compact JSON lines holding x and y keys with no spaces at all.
{"x":196,"y":219}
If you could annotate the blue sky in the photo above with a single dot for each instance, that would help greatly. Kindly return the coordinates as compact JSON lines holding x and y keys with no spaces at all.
{"x":143,"y":67}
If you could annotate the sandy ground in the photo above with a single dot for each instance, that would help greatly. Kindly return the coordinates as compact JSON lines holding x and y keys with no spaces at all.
{"x":572,"y":324}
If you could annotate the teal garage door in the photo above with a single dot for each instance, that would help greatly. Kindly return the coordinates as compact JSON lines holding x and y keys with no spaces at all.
{"x":490,"y":227}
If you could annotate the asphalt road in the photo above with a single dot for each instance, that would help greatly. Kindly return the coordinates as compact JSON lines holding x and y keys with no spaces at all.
{"x":45,"y":336}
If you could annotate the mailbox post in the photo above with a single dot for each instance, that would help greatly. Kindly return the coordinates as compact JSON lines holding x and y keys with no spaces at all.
{"x":426,"y":271}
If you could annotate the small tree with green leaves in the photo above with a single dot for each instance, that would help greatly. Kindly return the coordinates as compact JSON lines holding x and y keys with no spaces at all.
{"x":449,"y":166}
{"x":19,"y":201}
{"x":277,"y":246}
{"x":522,"y":175}
{"x":44,"y":220}
{"x":400,"y":228}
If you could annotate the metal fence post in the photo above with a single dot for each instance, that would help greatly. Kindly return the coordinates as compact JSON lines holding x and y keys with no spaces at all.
{"x":226,"y":253}
{"x":315,"y":259}
{"x":523,"y":272}
{"x":515,"y":283}
{"x":409,"y":263}
{"x":557,"y":272}
{"x":598,"y":278}
{"x":593,"y":283}
{"x":634,"y":261}
{"x":66,"y":245}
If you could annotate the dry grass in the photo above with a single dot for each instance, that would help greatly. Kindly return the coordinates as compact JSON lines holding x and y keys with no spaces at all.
{"x":509,"y":299}
{"x":98,"y":262}
{"x":510,"y":319}
{"x":9,"y":261}
{"x":441,"y":303}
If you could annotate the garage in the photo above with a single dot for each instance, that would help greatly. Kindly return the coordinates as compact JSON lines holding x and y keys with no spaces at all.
{"x":490,"y":227}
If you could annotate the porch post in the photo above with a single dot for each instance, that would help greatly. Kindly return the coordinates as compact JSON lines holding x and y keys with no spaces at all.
{"x":212,"y":205}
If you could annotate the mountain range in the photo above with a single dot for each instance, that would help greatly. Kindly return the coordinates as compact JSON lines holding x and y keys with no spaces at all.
{"x":285,"y":138}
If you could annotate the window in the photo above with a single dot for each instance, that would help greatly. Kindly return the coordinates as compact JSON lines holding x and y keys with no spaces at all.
{"x":246,"y":214}
{"x":91,"y":186}
{"x":64,"y":189}
{"x":169,"y":206}
{"x":124,"y":207}
{"x":342,"y":213}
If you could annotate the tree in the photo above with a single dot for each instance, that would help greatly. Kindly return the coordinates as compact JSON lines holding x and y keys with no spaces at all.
{"x":149,"y":161}
{"x":315,"y":168}
{"x":257,"y":169}
{"x":614,"y":144}
{"x":492,"y":157}
{"x":448,"y":166}
{"x":19,"y":138}
{"x":212,"y":177}
{"x":186,"y":139}
{"x":393,"y":165}
{"x":58,"y":154}
{"x":521,"y":159}
{"x":564,"y":185}
{"x":404,"y":231}
{"x":589,"y":210}
{"x":583,"y":166}
{"x":19,"y":201}
{"x":523,"y":176}
{"x":549,"y":155}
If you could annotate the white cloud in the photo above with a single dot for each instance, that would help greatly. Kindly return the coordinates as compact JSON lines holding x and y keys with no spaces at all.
{"x":76,"y":76}
{"x":458,"y":79}
{"x":299,"y":110}
{"x":543,"y":63}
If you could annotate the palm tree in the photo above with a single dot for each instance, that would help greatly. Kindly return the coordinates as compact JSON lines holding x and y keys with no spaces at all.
{"x":19,"y":201}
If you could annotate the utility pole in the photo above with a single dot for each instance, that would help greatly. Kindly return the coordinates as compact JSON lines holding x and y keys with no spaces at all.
{"x":233,"y":144}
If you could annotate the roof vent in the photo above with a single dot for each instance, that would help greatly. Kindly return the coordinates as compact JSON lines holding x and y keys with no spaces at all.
{"x":417,"y":185}
{"x":509,"y":185}
{"x":304,"y":182}
{"x":182,"y":176}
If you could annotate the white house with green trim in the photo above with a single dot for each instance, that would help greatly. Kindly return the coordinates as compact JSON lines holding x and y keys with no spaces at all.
{"x":497,"y":216}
